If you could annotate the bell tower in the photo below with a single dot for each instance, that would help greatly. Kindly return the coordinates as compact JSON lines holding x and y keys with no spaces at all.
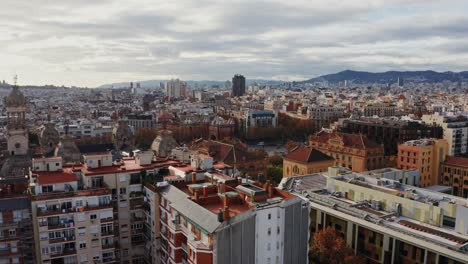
{"x":17,"y":133}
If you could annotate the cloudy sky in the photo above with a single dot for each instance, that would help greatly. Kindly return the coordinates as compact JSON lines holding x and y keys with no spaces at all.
{"x":93,"y":42}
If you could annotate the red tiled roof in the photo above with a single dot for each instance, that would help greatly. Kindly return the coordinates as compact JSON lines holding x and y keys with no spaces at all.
{"x":307,"y":154}
{"x":349,"y":140}
{"x":456,"y":161}
{"x":53,"y":177}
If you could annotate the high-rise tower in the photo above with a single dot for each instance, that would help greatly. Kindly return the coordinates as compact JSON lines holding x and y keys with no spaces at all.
{"x":238,"y":85}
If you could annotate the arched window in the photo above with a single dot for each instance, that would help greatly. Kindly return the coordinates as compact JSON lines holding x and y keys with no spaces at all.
{"x":295,"y":169}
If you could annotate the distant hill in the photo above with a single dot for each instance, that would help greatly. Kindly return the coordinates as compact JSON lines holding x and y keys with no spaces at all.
{"x":204,"y":83}
{"x":359,"y":77}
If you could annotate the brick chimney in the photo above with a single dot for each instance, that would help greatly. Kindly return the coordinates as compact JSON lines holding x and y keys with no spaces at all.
{"x":205,"y":191}
{"x":226,"y":212}
{"x":194,"y":177}
{"x":271,"y":190}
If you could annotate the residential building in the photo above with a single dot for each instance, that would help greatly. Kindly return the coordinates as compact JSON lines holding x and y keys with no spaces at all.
{"x":16,"y":231}
{"x":455,"y":131}
{"x":238,"y":85}
{"x":72,"y":224}
{"x":389,"y":132}
{"x":175,"y":88}
{"x":213,"y":218}
{"x":245,"y":163}
{"x":139,"y":121}
{"x":306,"y":160}
{"x":383,"y":220}
{"x":455,"y":174}
{"x":425,"y":155}
{"x":380,"y":110}
{"x":324,"y":115}
{"x":355,"y":152}
{"x":256,"y":123}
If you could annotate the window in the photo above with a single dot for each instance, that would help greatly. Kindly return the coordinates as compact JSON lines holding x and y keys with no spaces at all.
{"x":269,"y":216}
{"x":123,"y":190}
{"x":269,"y":231}
{"x":97,"y":182}
{"x":47,"y":188}
{"x":135,"y":178}
{"x":93,"y":217}
{"x":82,"y":245}
{"x":81,"y":231}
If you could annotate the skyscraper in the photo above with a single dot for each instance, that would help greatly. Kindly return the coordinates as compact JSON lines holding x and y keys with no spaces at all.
{"x":238,"y":85}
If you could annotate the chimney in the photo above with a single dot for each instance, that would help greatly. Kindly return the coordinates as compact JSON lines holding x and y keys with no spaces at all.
{"x":194,"y":177}
{"x":205,"y":191}
{"x":239,"y":180}
{"x":220,"y":215}
{"x":270,"y":191}
{"x":226,"y":212}
{"x":225,"y":201}
{"x":197,"y":196}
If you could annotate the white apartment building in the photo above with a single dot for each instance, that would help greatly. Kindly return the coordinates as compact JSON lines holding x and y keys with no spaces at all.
{"x":455,"y":129}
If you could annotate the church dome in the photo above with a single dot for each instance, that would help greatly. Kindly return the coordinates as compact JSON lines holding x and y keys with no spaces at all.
{"x":15,"y":98}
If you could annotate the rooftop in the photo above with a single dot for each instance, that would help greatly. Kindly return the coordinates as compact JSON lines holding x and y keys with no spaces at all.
{"x":307,"y":154}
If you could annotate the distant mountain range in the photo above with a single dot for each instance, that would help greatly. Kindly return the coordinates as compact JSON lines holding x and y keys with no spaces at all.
{"x":204,"y":83}
{"x":359,"y":77}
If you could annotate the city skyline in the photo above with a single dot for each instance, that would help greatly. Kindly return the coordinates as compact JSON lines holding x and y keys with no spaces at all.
{"x":90,"y":44}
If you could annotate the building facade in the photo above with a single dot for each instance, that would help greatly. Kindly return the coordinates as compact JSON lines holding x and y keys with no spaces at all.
{"x":455,"y":174}
{"x":455,"y":130}
{"x":385,"y":221}
{"x":213,"y":218}
{"x":355,"y":152}
{"x":425,"y":155}
{"x":390,"y":132}
{"x":306,"y":160}
{"x":238,"y":85}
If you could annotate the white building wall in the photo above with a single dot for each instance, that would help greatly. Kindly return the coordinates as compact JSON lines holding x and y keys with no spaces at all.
{"x":269,"y":225}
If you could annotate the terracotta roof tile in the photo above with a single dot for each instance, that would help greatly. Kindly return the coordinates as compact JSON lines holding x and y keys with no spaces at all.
{"x":456,"y":161}
{"x":307,"y":154}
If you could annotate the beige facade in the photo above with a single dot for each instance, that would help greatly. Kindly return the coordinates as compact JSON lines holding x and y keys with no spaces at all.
{"x":293,"y":167}
{"x":425,"y":155}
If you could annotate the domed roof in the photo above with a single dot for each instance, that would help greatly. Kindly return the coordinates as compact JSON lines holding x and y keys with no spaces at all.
{"x":15,"y":98}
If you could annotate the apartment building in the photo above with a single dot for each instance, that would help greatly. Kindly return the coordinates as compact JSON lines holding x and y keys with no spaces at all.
{"x":380,"y":110}
{"x":214,"y":218}
{"x":324,"y":115}
{"x":355,"y":152}
{"x":455,"y":174}
{"x":72,"y":224}
{"x":384,"y":220}
{"x":389,"y":132}
{"x":455,"y":130}
{"x":425,"y":155}
{"x":16,"y":236}
{"x":92,"y":212}
{"x":125,"y":180}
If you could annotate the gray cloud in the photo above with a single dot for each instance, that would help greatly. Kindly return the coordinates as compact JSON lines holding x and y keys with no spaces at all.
{"x":92,"y":42}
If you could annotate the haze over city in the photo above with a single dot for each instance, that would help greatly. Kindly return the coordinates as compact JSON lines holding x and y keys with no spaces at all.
{"x":90,"y":43}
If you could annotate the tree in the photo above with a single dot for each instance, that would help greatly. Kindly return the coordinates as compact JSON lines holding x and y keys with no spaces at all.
{"x":275,"y":174}
{"x":275,"y":160}
{"x":144,"y":138}
{"x":329,"y":247}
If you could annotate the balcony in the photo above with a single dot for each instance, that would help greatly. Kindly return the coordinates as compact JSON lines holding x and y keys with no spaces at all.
{"x":62,"y":239}
{"x":64,"y":252}
{"x":62,"y":224}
